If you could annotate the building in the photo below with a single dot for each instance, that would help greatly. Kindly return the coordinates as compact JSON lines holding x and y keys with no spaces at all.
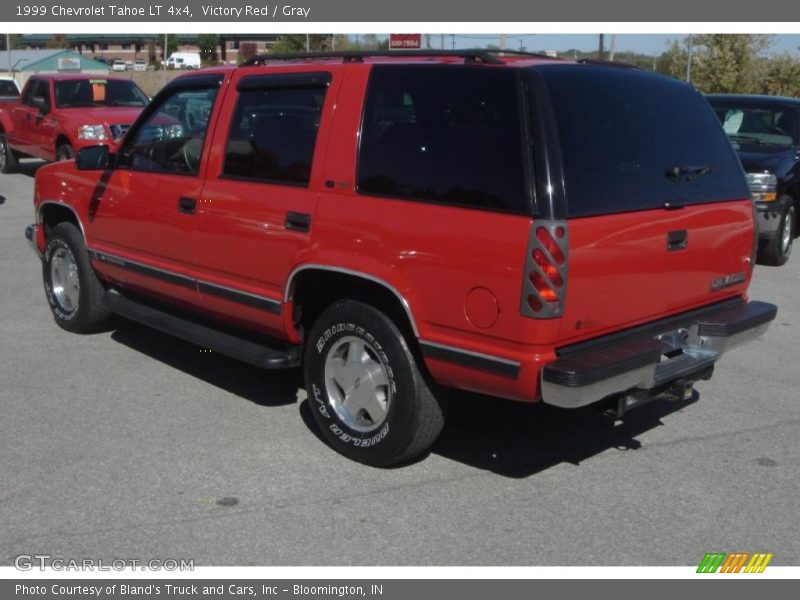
{"x":21,"y":64}
{"x":129,"y":47}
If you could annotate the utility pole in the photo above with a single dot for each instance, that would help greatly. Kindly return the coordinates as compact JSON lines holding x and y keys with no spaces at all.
{"x":601,"y":47}
{"x":453,"y":41}
{"x":613,"y":50}
{"x":8,"y":53}
{"x":164,"y":62}
{"x":441,"y":40}
{"x":689,"y":61}
{"x":308,"y":43}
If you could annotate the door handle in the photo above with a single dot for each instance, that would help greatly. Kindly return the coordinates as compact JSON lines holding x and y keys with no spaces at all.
{"x":297,"y":221}
{"x":187,"y":205}
{"x":677,"y":240}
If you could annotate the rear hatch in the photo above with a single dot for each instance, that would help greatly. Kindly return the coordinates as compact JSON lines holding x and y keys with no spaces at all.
{"x":659,"y":212}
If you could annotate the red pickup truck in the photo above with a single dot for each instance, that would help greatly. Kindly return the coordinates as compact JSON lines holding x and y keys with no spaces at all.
{"x":57,"y":115}
{"x":399,"y":223}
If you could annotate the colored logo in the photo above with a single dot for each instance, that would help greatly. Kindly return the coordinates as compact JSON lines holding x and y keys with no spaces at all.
{"x":735,"y":562}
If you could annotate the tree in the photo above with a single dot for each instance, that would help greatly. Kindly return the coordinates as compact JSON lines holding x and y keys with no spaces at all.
{"x":297,"y":43}
{"x":782,"y":77}
{"x":15,"y":38}
{"x":208,"y":42}
{"x":172,"y":45}
{"x":58,"y":40}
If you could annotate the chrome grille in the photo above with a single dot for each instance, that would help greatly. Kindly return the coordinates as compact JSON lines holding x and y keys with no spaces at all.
{"x":118,"y":131}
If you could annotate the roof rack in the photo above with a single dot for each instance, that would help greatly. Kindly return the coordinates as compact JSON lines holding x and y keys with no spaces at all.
{"x":470,"y":56}
{"x":606,"y":63}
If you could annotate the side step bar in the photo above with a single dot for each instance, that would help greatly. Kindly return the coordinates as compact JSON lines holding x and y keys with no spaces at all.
{"x":257,"y":353}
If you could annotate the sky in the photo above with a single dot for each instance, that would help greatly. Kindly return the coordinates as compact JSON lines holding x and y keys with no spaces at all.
{"x":645,"y":43}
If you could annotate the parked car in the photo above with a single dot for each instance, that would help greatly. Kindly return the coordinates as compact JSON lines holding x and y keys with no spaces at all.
{"x":140,"y":65}
{"x":60,"y":114}
{"x":527,"y":227}
{"x":184,"y":60}
{"x":765,"y":131}
{"x":119,"y":65}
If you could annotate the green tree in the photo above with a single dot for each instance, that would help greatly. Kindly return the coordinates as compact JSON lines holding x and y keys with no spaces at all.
{"x":172,"y":45}
{"x":208,"y":42}
{"x":782,"y":76}
{"x":58,"y":40}
{"x":15,"y":39}
{"x":297,"y":43}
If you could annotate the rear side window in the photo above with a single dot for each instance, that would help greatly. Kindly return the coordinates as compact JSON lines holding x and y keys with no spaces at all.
{"x":632,"y":140}
{"x":273,"y":134}
{"x":444,"y":134}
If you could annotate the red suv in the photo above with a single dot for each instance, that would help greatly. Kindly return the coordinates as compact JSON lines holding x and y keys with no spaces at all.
{"x":519,"y":226}
{"x":57,"y":115}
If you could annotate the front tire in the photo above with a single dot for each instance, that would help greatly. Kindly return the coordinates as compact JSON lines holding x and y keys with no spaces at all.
{"x":366,"y":392}
{"x":73,"y":290}
{"x":777,"y":250}
{"x":65,"y":152}
{"x":8,"y":158}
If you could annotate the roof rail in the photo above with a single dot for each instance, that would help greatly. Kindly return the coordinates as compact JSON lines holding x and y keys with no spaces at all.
{"x":606,"y":63}
{"x":484,"y":56}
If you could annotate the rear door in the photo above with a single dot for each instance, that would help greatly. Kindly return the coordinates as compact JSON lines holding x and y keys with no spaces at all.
{"x":660,"y":216}
{"x":260,"y":196}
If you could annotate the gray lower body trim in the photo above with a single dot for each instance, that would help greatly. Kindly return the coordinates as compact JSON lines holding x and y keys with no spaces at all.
{"x":241,"y":297}
{"x":470,"y":359}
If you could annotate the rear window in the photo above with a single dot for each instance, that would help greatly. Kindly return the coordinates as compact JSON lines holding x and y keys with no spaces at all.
{"x":8,"y":88}
{"x":83,"y":93}
{"x":632,"y":140}
{"x":444,"y":134}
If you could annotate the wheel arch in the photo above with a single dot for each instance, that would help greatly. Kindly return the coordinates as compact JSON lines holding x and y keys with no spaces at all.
{"x":52,"y":212}
{"x":312,"y":287}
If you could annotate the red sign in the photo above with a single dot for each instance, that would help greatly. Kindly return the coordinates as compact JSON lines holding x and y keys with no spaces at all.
{"x":405,"y":41}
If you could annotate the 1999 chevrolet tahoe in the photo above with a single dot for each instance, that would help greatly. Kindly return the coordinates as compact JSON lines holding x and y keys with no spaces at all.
{"x":514,"y":225}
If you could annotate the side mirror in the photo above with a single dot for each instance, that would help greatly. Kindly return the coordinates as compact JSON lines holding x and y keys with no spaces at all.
{"x":42,"y":105}
{"x":93,"y":158}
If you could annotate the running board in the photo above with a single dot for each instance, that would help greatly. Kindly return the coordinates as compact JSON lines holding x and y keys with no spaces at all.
{"x":256,"y":353}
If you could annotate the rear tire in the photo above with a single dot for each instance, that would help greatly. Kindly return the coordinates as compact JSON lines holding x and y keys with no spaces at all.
{"x":777,"y":250}
{"x":8,"y":158}
{"x":65,"y":152}
{"x":367,"y":394}
{"x":73,"y":290}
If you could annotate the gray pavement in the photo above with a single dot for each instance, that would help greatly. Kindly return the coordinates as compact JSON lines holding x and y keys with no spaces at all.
{"x":130,"y":444}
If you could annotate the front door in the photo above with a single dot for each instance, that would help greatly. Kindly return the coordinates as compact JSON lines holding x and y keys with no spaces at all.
{"x":144,"y":210}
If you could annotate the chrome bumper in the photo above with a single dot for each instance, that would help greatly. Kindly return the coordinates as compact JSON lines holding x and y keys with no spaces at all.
{"x":651,"y":360}
{"x":30,"y":235}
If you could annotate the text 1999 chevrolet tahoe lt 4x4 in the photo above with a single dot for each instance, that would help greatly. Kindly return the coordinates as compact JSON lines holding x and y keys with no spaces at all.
{"x":519,"y":226}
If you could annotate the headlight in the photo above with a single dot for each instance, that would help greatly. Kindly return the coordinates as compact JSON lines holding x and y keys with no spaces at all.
{"x":763,"y":186}
{"x":92,"y":132}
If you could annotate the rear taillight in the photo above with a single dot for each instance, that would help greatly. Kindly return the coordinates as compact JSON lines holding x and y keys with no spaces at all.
{"x":546,"y":261}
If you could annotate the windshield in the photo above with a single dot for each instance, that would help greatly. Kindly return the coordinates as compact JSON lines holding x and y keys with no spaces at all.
{"x":8,"y":88}
{"x":81,"y":93}
{"x":760,"y":125}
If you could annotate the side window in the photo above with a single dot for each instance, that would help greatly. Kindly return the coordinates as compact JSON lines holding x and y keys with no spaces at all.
{"x":273,"y":134}
{"x":42,"y":94}
{"x":171,"y":139}
{"x":29,"y":91}
{"x":450,"y":135}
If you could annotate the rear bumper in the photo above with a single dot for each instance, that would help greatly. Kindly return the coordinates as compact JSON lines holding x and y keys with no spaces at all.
{"x":646,"y":361}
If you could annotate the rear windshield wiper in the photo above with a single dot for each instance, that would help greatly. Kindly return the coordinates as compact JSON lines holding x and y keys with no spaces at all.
{"x":687,"y":173}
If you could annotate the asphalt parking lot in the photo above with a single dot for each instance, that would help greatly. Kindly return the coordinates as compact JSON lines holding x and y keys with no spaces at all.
{"x":131,"y":444}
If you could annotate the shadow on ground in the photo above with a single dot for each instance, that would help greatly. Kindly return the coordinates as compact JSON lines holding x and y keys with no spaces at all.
{"x":508,"y":438}
{"x":266,"y":388}
{"x":29,"y":167}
